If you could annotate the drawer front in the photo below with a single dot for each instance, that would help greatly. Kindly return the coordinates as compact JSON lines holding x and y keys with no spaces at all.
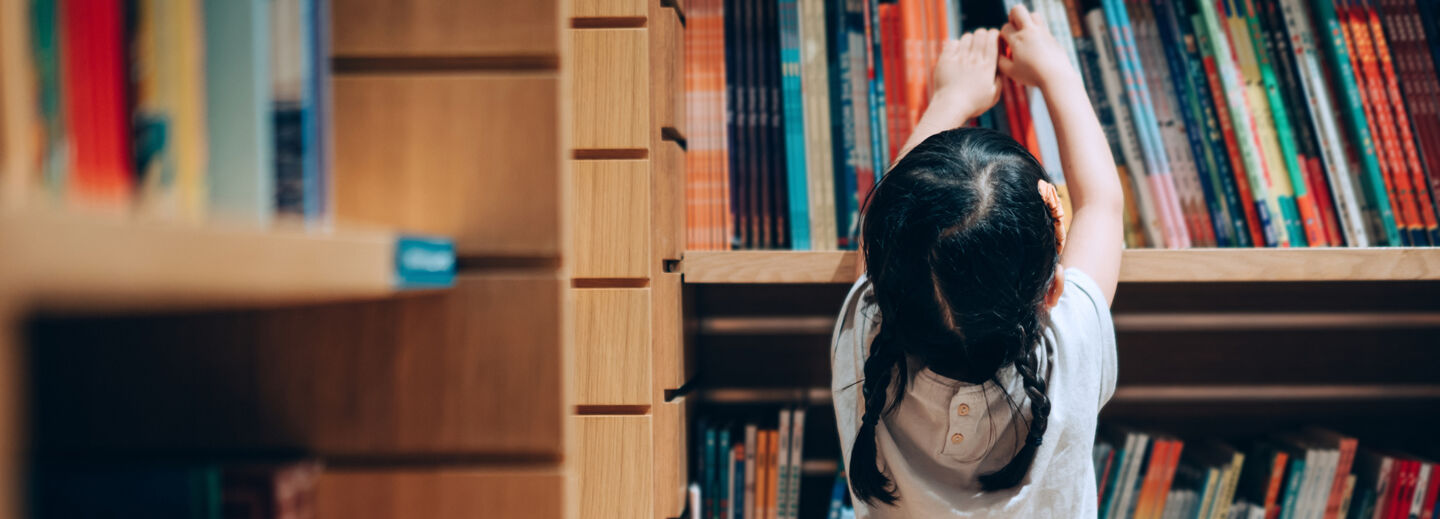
{"x":668,"y":171}
{"x":610,"y":71}
{"x":612,"y":219}
{"x":428,"y":28}
{"x":612,"y":346}
{"x":667,"y":66}
{"x":616,"y":466}
{"x":472,"y":156}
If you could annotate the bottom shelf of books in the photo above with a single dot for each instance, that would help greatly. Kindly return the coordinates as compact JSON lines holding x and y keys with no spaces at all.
{"x":1234,"y":400}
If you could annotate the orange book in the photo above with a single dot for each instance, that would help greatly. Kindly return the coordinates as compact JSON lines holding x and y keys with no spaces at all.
{"x":892,"y":47}
{"x":912,"y":30}
{"x":1402,"y":123}
{"x":1167,"y":478}
{"x":1159,"y":454}
{"x":772,"y":480}
{"x":1272,"y":490}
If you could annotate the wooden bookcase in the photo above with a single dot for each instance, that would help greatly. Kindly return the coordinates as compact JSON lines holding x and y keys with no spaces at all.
{"x":131,"y":341}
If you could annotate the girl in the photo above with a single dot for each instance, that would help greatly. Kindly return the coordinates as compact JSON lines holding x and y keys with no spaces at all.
{"x":971,"y":360}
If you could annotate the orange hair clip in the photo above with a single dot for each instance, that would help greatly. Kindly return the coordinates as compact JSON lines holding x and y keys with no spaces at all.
{"x":1057,"y":212}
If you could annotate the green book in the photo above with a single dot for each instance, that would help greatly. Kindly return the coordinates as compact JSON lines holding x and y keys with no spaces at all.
{"x":1299,"y":192}
{"x":1339,"y":56}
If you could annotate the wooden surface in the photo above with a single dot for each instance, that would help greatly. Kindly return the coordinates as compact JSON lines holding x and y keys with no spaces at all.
{"x":667,"y":174}
{"x":608,"y":8}
{"x":672,"y":428}
{"x":612,"y":219}
{"x":668,"y":338}
{"x":446,"y":493}
{"x":12,"y":412}
{"x":612,"y":346}
{"x":1139,"y":266}
{"x":74,"y":262}
{"x":474,"y":372}
{"x":667,"y":69}
{"x":611,"y":95}
{"x":446,"y":28}
{"x":473,"y":156}
{"x":615,"y":466}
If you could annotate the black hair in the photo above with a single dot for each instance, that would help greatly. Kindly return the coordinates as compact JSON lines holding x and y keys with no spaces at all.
{"x":960,"y":249}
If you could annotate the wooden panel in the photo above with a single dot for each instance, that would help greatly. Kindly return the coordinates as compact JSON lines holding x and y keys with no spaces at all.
{"x":610,"y":68}
{"x":771,"y":267}
{"x":612,"y":219}
{"x":476,"y":371}
{"x":441,"y":494}
{"x":669,"y":340}
{"x":473,"y":156}
{"x":668,"y":172}
{"x":612,"y":346}
{"x":446,"y":27}
{"x":671,"y":457}
{"x":616,"y":466}
{"x":667,"y":68}
{"x":609,"y":8}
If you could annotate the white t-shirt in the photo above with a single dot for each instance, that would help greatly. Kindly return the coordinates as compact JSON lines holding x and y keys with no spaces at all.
{"x":945,"y":433}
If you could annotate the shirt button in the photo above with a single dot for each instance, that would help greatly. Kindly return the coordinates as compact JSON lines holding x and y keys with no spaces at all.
{"x":963,"y":410}
{"x":957,"y":438}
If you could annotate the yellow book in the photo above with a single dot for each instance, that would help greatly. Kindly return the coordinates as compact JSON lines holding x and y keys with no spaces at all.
{"x":186,"y":31}
{"x":19,"y":120}
{"x":1259,"y":118}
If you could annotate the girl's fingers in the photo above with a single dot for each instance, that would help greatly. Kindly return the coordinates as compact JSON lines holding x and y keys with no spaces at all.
{"x":966,"y":42}
{"x":1004,"y":64}
{"x":1020,"y":16}
{"x":990,"y":45}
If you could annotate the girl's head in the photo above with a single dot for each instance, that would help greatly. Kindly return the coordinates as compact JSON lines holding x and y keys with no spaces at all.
{"x":962,"y":252}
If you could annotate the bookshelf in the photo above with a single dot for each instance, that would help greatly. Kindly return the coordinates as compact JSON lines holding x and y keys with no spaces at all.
{"x":1139,"y":266}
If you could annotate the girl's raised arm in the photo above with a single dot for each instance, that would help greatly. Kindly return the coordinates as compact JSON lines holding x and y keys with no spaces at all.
{"x":1096,"y":231}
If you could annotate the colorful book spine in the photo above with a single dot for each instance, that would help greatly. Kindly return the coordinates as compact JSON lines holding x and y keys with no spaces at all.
{"x":1125,"y":126}
{"x":54,"y":158}
{"x":795,"y":171}
{"x":1420,"y":85}
{"x":1419,"y":188}
{"x":1256,"y":217}
{"x":238,"y":93}
{"x":1141,"y":107}
{"x":816,"y":138}
{"x":96,"y":100}
{"x":842,"y":121}
{"x":875,"y":77}
{"x":1338,"y":57}
{"x":859,"y":85}
{"x":1323,"y":120}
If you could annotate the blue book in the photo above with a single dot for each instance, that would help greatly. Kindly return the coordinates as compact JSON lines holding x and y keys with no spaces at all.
{"x":238,"y":108}
{"x":1292,"y":486}
{"x":712,"y":505}
{"x":879,"y":139}
{"x":722,"y":469}
{"x":315,"y":161}
{"x":842,"y":120}
{"x":737,"y":491}
{"x":795,"y":165}
{"x":837,"y":495}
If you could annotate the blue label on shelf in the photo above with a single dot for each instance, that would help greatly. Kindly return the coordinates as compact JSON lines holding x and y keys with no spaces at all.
{"x":424,"y":262}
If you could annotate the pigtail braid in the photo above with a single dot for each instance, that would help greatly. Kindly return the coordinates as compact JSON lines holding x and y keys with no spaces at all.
{"x":866,"y":480}
{"x":1027,"y":366}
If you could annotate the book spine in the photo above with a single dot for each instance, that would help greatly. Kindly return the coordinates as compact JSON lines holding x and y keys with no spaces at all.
{"x":1232,"y":104}
{"x":1171,"y":130}
{"x":1419,"y":189}
{"x":795,"y":172}
{"x":1125,"y":126}
{"x":1427,"y":85}
{"x":1095,"y":89}
{"x":191,"y":142}
{"x":1265,"y":124}
{"x":842,"y":121}
{"x":1243,"y":221}
{"x":1344,"y":76}
{"x":237,"y":78}
{"x":879,"y":135}
{"x":724,"y":469}
{"x":858,"y":49}
{"x":1323,"y":120}
{"x":1277,"y":476}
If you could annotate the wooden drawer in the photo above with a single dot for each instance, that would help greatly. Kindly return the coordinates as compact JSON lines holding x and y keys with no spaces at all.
{"x":473,"y":156}
{"x":441,"y":494}
{"x":612,"y":219}
{"x":667,"y":67}
{"x":668,"y":174}
{"x":672,"y":426}
{"x":609,"y":8}
{"x":476,"y":370}
{"x":616,"y":466}
{"x":612,"y":346}
{"x":610,"y":75}
{"x":446,"y":28}
{"x":669,"y":340}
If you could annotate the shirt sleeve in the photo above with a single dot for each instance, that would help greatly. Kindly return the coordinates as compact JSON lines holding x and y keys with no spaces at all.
{"x":1083,"y":323}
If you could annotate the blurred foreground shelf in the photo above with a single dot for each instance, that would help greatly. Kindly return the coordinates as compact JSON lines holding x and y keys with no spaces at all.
{"x":1139,"y":266}
{"x":68,"y":262}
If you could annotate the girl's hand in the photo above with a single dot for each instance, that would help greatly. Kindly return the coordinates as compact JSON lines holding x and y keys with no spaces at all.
{"x":965,"y":81}
{"x":1035,"y":59}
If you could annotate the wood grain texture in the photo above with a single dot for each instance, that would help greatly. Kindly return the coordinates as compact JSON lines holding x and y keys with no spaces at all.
{"x":668,"y":192}
{"x":474,"y":156}
{"x":612,"y":219}
{"x":609,"y":8}
{"x":616,"y":466}
{"x":610,"y":79}
{"x":1138,"y":266}
{"x":475,"y":371}
{"x":667,"y":68}
{"x":445,"y":27}
{"x":507,"y":493}
{"x":612,"y":346}
{"x":672,"y":428}
{"x":13,"y":396}
{"x":668,"y":339}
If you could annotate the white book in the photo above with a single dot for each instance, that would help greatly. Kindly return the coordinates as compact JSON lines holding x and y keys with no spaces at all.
{"x":1117,"y":499}
{"x":1132,"y":476}
{"x":1421,"y":485}
{"x":730,"y":477}
{"x":782,"y":468}
{"x":1124,"y":125}
{"x":797,"y":461}
{"x":752,"y":508}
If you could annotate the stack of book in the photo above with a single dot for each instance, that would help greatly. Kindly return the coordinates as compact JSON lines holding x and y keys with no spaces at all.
{"x":204,"y":491}
{"x":181,"y":110}
{"x":750,"y":471}
{"x":1313,"y":473}
{"x":1235,"y":123}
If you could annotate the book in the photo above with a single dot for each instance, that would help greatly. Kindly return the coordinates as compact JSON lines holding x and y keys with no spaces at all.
{"x":752,"y":469}
{"x":21,"y":172}
{"x":794,"y":125}
{"x":238,"y":102}
{"x":95,"y":93}
{"x":797,"y":460}
{"x":1128,"y":139}
{"x":815,"y":93}
{"x":1256,"y":214}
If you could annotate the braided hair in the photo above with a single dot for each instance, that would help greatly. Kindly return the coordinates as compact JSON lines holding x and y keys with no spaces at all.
{"x":960,"y":249}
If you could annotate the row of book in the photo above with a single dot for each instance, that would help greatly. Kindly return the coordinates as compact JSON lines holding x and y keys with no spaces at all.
{"x":283,"y":490}
{"x":750,"y":471}
{"x":1234,"y":122}
{"x":176,"y":110}
{"x":1311,"y":474}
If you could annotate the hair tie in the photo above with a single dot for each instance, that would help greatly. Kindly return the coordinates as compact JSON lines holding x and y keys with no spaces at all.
{"x":1035,"y":441}
{"x":1051,"y":196}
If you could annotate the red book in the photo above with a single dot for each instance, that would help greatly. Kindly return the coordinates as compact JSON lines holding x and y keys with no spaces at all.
{"x":1277,"y":476}
{"x":96,"y":102}
{"x":1396,"y":505}
{"x":1428,"y":90}
{"x":1232,"y":148}
{"x":1411,"y":156}
{"x":912,"y":29}
{"x":892,"y":47}
{"x":1362,"y":59}
{"x":1431,"y":491}
{"x":1167,"y":479}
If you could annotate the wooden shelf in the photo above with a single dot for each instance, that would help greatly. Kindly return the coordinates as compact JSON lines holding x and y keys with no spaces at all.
{"x":1140,"y":266}
{"x":86,"y":263}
